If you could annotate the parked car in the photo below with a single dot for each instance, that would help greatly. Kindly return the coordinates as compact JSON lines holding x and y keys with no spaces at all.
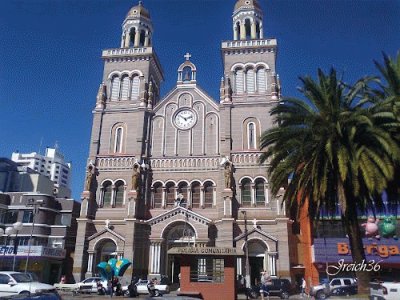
{"x":323,"y":291}
{"x":159,"y":289}
{"x":277,"y":287}
{"x":12,"y":283}
{"x":384,"y":290}
{"x":89,"y":285}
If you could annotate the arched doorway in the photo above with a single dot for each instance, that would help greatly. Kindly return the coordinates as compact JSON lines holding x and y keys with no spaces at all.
{"x":105,"y":249}
{"x":179,"y":234}
{"x":257,"y":262}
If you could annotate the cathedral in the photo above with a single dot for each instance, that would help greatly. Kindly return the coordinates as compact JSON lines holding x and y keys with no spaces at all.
{"x":182,"y":170}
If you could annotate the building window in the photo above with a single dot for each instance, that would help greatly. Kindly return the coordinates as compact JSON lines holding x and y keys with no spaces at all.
{"x":115,"y":82}
{"x":239,"y":81}
{"x":125,"y":88}
{"x":246,"y":192}
{"x":208,"y":194}
{"x":260,"y":192}
{"x":250,"y":84}
{"x":157,"y":195}
{"x":251,"y":135}
{"x":261,"y":80}
{"x":119,"y":194}
{"x":207,"y":269}
{"x":11,"y":217}
{"x":170,"y":190}
{"x":118,"y":140}
{"x":183,"y":189}
{"x":196,"y":195}
{"x":187,"y":74}
{"x":28,"y":216}
{"x":135,"y":88}
{"x":107,"y":194}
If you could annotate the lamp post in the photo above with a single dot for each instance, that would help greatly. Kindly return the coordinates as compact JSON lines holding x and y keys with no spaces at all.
{"x":35,"y":205}
{"x":247,"y":266}
{"x":8,"y":231}
{"x":17,"y":227}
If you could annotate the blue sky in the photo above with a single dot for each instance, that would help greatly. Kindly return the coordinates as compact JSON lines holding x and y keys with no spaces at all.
{"x":50,"y":65}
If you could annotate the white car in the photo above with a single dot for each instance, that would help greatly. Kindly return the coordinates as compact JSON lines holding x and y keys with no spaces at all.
{"x":384,"y":290}
{"x":12,"y":283}
{"x":159,"y":289}
{"x":89,"y":285}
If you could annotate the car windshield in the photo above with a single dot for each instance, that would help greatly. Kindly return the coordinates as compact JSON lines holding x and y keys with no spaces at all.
{"x":20,"y":277}
{"x":33,"y":276}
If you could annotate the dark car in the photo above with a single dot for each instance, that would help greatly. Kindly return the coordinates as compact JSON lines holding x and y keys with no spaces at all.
{"x":277,"y":287}
{"x":344,"y":291}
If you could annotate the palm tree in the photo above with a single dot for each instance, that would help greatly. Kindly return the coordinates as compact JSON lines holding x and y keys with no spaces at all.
{"x":387,"y":106}
{"x":332,"y":152}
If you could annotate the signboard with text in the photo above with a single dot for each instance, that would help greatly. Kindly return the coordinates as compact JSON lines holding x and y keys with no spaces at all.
{"x":333,"y":249}
{"x":33,"y":251}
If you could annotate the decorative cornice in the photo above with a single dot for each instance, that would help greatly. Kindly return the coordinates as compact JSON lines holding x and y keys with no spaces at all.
{"x":184,"y":212}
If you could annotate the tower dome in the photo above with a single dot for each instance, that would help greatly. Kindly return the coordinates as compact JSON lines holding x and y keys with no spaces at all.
{"x":138,"y":11}
{"x":137,"y":28}
{"x":249,"y":4}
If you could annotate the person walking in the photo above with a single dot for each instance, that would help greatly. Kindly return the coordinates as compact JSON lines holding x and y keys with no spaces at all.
{"x":265,"y":281}
{"x":110,"y":288}
{"x":303,"y":287}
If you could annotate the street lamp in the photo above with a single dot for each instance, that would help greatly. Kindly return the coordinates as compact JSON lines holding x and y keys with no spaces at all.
{"x":247,"y":266}
{"x":35,"y":205}
{"x":17,"y":227}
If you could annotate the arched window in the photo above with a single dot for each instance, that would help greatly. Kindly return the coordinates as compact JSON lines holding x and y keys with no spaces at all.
{"x":246,"y":192}
{"x":107,"y":192}
{"x":258,"y":36}
{"x":239,"y":82}
{"x":187,"y":74}
{"x":261,"y":80}
{"x":247,"y":27}
{"x":183,"y":189}
{"x":135,"y":88}
{"x":157,"y":195}
{"x":208,"y":194}
{"x":260,"y":192}
{"x":115,"y":82}
{"x":142,"y":38}
{"x":106,"y":251}
{"x":118,"y":137}
{"x":132,"y":37}
{"x":250,"y":81}
{"x":238,"y":30}
{"x":196,"y":195}
{"x":251,"y":135}
{"x":119,"y":193}
{"x":125,"y":88}
{"x":170,"y":194}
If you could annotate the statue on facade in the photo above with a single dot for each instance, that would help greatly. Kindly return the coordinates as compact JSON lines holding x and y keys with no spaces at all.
{"x":228,"y":173}
{"x":135,"y":177}
{"x":89,"y":177}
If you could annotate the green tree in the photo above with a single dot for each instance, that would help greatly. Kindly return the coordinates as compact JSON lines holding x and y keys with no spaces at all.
{"x":333,"y":154}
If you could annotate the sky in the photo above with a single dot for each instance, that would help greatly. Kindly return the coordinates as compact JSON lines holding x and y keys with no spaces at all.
{"x":51,"y":67}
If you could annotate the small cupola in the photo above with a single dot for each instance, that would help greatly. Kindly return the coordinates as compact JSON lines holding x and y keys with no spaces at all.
{"x":137,"y":28}
{"x":187,"y":71}
{"x":247,"y":20}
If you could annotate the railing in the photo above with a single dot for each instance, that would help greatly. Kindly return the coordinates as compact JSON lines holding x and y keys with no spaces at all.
{"x":182,"y":164}
{"x":246,"y":159}
{"x":115,"y":162}
{"x":117,"y":52}
{"x":241,"y":43}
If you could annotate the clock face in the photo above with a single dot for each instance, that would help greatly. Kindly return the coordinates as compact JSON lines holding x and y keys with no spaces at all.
{"x":185,"y":119}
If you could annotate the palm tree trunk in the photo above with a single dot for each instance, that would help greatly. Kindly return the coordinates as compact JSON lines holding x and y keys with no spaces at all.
{"x":350,"y":218}
{"x":356,"y":245}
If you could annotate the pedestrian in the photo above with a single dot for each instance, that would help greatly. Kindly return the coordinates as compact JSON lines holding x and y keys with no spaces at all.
{"x":110,"y":287}
{"x":265,"y":281}
{"x":303,"y":286}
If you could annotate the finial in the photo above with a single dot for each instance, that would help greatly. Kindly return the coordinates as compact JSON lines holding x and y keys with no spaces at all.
{"x":140,"y":3}
{"x":187,"y":56}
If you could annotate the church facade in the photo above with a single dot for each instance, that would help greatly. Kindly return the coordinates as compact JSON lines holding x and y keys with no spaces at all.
{"x":182,"y":170}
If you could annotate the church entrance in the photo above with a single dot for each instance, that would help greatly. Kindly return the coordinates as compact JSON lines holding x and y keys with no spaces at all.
{"x":105,"y":250}
{"x":257,"y":254}
{"x":178,"y":234}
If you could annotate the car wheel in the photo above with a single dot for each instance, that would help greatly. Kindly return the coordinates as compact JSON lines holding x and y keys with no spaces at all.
{"x":25,"y":293}
{"x":321,"y":295}
{"x":285,"y":295}
{"x":157,"y":293}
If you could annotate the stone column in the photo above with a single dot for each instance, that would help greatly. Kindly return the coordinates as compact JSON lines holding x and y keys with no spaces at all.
{"x":272,"y":263}
{"x":127,"y":38}
{"x":146,"y":39}
{"x":239,"y":266}
{"x":242,"y":31}
{"x":202,"y":196}
{"x":163,"y":197}
{"x":253,"y":193}
{"x":235,"y":33}
{"x":142,"y":90}
{"x":90,"y":265}
{"x":155,"y":258}
{"x":253,"y":30}
{"x":261,"y":31}
{"x":137,"y":37}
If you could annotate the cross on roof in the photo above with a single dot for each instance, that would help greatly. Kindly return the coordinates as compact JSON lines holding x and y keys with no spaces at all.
{"x":187,"y":56}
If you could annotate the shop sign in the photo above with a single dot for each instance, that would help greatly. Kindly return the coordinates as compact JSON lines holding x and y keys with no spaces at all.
{"x":33,"y":251}
{"x":205,"y":251}
{"x":386,"y":250}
